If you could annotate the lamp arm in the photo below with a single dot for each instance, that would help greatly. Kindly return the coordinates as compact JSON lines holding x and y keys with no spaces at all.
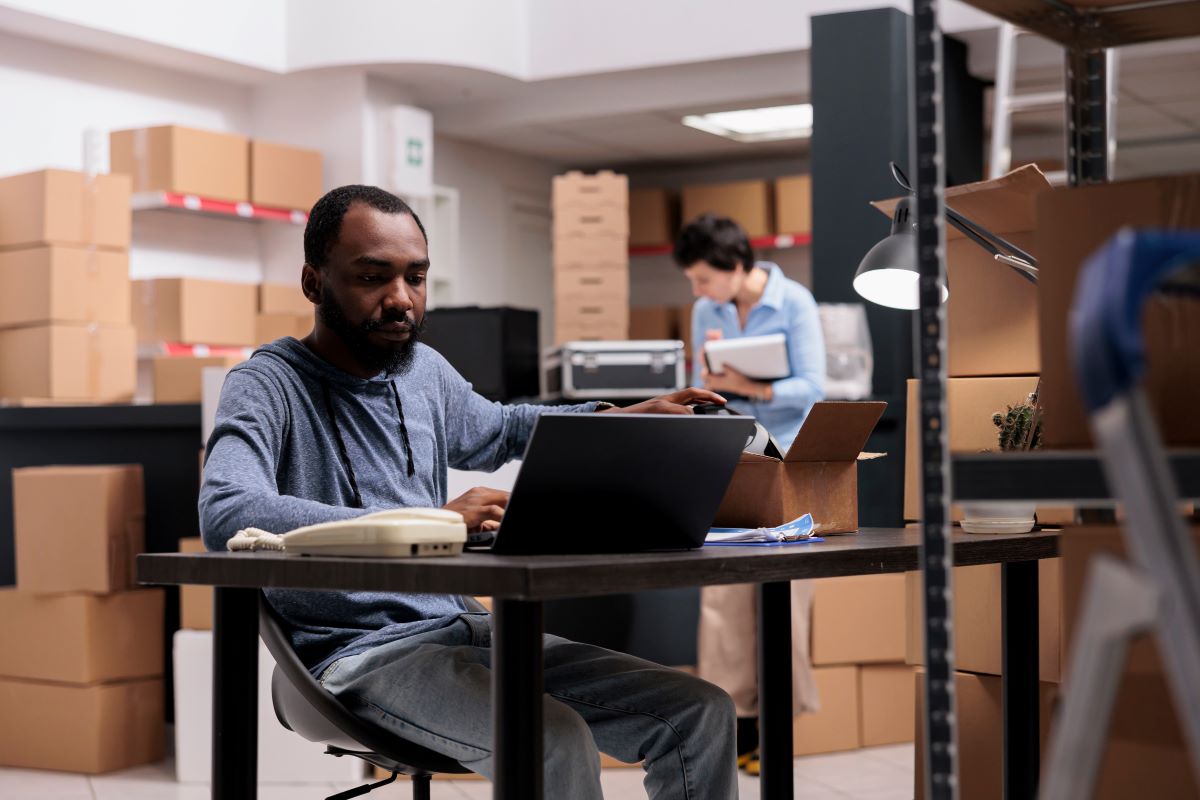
{"x":1017,"y":259}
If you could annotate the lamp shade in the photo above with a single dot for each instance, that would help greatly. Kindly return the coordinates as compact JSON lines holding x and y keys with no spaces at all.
{"x":888,"y":273}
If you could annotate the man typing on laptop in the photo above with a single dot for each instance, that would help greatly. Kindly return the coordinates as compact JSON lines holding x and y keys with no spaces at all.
{"x":359,"y":417}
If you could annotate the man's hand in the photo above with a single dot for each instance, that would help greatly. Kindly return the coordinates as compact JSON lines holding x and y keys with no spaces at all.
{"x":675,"y":403}
{"x":482,"y":508}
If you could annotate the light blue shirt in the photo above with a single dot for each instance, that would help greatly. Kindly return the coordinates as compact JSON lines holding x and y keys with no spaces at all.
{"x":785,"y":307}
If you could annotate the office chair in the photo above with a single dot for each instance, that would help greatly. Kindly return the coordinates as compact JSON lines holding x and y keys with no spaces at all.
{"x":304,"y":706}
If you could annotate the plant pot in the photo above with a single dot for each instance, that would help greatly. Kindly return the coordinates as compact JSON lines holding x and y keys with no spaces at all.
{"x":1001,"y":517}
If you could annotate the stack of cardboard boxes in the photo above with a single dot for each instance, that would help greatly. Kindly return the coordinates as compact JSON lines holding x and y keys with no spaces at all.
{"x":591,"y":257}
{"x":283,"y":310}
{"x":81,"y":647}
{"x":64,"y":288}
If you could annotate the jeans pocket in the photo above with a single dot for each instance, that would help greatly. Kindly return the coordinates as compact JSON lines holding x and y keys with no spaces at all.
{"x":329,"y":671}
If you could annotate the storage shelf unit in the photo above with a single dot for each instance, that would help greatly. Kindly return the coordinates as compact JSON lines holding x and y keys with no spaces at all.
{"x":781,"y":241}
{"x":224,"y":209}
{"x":179,"y":350}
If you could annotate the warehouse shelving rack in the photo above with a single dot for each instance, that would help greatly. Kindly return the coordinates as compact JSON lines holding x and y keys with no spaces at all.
{"x":221,"y":209}
{"x":1085,"y":28}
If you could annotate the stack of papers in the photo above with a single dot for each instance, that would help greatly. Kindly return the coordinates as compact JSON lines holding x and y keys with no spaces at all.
{"x":798,"y":530}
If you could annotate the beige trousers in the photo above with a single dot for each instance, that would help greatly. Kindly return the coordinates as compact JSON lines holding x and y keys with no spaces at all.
{"x":728,"y":645}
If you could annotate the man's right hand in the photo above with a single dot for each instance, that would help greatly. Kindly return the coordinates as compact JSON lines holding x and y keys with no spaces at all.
{"x":482,"y":508}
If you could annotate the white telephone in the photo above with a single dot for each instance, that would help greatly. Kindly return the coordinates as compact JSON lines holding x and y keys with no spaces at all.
{"x":398,"y":533}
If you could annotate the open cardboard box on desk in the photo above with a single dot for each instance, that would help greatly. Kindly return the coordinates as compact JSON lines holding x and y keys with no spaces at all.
{"x":818,"y":476}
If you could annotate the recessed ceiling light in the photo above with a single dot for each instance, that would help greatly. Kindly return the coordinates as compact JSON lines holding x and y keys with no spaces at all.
{"x":757,"y":124}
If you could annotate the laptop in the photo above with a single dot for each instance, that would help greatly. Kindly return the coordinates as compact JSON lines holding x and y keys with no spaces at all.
{"x":620,"y":483}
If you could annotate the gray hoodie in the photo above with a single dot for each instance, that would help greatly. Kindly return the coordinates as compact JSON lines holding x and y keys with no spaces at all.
{"x":297,"y":441}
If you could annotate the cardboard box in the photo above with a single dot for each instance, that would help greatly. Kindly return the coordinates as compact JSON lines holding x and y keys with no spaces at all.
{"x":85,"y":545}
{"x":284,"y":177}
{"x":604,"y":188}
{"x":748,"y":203}
{"x":858,"y":619}
{"x":651,"y":221}
{"x":887,"y":709}
{"x":590,"y":252}
{"x":269,"y":327}
{"x":992,"y":311}
{"x":193,"y":311}
{"x":591,"y":316}
{"x":1074,"y":223}
{"x":283,"y":298}
{"x":818,"y":475}
{"x":599,"y":328}
{"x":606,"y":279}
{"x":980,"y":718}
{"x":195,"y":602}
{"x":57,"y":206}
{"x":170,"y":158}
{"x":970,"y":404}
{"x":835,"y":726}
{"x":60,"y":283}
{"x":95,"y":639}
{"x":177,"y":379}
{"x":608,"y":221}
{"x":978,"y":640}
{"x":793,"y":204}
{"x":69,"y":361}
{"x":89,"y":729}
{"x":654,"y":322}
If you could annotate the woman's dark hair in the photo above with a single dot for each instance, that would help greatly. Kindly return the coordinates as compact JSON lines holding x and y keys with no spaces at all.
{"x":325,"y":219}
{"x":718,"y":241}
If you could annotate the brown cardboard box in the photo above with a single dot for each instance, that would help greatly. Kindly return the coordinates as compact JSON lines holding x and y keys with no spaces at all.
{"x":992,"y":311}
{"x":85,"y":545}
{"x":57,"y":206}
{"x":88,"y":729}
{"x":584,"y":317}
{"x":60,"y":283}
{"x":793,"y":204}
{"x":170,"y":158}
{"x":599,"y":221}
{"x":284,"y":177}
{"x":589,"y":252}
{"x":606,"y":279}
{"x":193,"y":311}
{"x":599,"y":328}
{"x":650,"y":219}
{"x":1074,"y":223}
{"x":978,"y":640}
{"x":818,"y":476}
{"x":269,"y":327}
{"x":858,"y":619}
{"x":283,"y":298}
{"x":654,"y":322}
{"x":93,"y":639}
{"x":970,"y":404}
{"x":69,"y":361}
{"x":195,"y":602}
{"x":604,"y":188}
{"x":980,"y":733}
{"x":748,"y":203}
{"x":177,"y":379}
{"x":887,"y":708}
{"x":835,"y":726}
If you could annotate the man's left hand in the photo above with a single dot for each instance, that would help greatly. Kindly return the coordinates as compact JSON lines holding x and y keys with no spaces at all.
{"x":674,"y":403}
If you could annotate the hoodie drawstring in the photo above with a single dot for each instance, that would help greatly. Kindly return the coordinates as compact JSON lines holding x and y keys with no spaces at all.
{"x":341,"y":443}
{"x":403,"y":428}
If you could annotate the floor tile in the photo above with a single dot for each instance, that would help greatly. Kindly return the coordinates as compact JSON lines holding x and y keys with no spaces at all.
{"x":852,"y":773}
{"x":898,"y":755}
{"x":35,"y":784}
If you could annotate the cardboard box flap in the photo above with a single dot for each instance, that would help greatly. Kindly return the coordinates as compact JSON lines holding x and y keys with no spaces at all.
{"x":835,"y":431}
{"x":1002,"y":205}
{"x":756,"y":458}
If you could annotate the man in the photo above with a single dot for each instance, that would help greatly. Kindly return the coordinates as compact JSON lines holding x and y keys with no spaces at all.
{"x":359,"y":417}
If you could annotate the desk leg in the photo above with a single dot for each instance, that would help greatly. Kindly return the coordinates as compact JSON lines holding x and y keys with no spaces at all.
{"x":517,"y":699}
{"x":1019,"y":681}
{"x":775,"y":689}
{"x":235,"y":694}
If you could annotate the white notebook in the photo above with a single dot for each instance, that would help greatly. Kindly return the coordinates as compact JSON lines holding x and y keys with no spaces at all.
{"x":763,"y":358}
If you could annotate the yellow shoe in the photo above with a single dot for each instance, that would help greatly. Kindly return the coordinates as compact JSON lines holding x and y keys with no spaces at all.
{"x":750,"y":762}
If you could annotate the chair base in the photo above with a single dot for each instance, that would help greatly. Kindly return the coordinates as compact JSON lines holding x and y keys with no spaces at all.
{"x":420,"y":788}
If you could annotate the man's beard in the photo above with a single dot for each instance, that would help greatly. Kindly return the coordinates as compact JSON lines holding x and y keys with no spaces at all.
{"x":390,"y":360}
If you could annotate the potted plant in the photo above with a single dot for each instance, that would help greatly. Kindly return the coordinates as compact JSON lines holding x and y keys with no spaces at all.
{"x":1019,"y":429}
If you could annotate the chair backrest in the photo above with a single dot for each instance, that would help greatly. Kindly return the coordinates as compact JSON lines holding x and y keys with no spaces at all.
{"x":303,"y":705}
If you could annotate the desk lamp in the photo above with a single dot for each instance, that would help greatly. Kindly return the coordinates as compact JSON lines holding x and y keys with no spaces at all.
{"x":888,"y":272}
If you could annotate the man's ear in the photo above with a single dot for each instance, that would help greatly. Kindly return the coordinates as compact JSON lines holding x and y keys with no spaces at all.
{"x":310,"y":283}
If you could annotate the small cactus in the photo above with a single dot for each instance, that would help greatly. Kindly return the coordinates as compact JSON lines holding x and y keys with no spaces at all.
{"x":1020,"y":428}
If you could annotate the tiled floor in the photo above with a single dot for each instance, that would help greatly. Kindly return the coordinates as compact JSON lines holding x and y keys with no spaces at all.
{"x":877,"y":773}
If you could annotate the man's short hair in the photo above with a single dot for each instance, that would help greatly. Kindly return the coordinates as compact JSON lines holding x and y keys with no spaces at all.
{"x":718,"y":241}
{"x":325,"y":219}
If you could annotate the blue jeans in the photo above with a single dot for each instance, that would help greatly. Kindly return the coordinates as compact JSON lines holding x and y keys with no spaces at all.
{"x":435,"y":689}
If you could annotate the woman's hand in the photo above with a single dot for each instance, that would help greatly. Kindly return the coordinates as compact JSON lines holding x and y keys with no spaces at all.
{"x":735,"y":382}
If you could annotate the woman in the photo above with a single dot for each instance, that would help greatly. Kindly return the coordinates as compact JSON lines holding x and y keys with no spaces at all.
{"x":737,"y":297}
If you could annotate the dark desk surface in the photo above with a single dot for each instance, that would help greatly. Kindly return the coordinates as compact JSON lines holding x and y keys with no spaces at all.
{"x":870,"y":551}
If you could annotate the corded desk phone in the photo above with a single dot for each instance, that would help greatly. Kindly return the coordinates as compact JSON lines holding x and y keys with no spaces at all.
{"x":396,"y":533}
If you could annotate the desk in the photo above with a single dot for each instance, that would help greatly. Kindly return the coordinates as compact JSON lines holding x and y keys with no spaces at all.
{"x":519,"y":585}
